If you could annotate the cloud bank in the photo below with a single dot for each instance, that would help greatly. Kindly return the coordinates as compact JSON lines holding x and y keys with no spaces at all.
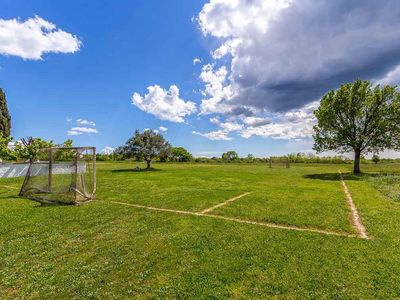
{"x":285,"y":54}
{"x":273,"y":60}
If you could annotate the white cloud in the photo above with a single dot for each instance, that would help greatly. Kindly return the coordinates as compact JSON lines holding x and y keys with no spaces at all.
{"x":226,"y":126}
{"x":68,"y":119}
{"x":72,"y":132}
{"x":196,"y":60}
{"x":85,"y":122}
{"x":163,"y":129}
{"x":295,"y":124}
{"x":256,"y":121}
{"x":81,"y":130}
{"x":164,"y":104}
{"x":392,"y":77}
{"x":208,"y":154}
{"x":218,"y":135}
{"x":227,"y":18}
{"x":34,"y":37}
{"x":107,"y":150}
{"x":216,"y":90}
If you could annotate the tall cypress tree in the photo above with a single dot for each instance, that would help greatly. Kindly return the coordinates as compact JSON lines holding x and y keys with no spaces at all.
{"x":5,"y":118}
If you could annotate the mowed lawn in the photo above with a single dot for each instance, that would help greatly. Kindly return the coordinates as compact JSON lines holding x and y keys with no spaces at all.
{"x":106,"y":250}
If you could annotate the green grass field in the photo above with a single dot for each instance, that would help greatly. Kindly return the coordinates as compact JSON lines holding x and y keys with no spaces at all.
{"x":111,"y":249}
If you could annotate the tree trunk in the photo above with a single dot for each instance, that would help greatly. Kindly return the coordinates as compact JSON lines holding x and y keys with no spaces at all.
{"x":148,"y":163}
{"x":357,"y":155}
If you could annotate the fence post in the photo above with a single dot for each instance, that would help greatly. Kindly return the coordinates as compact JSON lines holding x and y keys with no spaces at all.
{"x":94,"y":172}
{"x":270,"y":162}
{"x":50,"y":169}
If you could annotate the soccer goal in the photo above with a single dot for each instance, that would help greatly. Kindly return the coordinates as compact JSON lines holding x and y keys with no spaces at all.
{"x":61,"y":175}
{"x":279,"y":162}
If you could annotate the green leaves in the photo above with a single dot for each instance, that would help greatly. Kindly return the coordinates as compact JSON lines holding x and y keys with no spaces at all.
{"x":180,"y":154}
{"x":29,"y":148}
{"x":358,"y":117}
{"x":5,"y":118}
{"x":146,"y":145}
{"x":230,"y":156}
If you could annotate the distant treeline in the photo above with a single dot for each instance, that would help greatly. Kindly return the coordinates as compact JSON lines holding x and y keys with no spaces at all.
{"x":233,"y":157}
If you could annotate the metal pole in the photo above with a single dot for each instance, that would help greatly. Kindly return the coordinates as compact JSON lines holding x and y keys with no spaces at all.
{"x":270,"y":162}
{"x":76,"y":174}
{"x":94,"y":172}
{"x":50,"y":169}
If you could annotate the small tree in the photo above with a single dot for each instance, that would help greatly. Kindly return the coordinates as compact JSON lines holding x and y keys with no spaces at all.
{"x":360,"y":118}
{"x":65,"y":154}
{"x":147,"y":146}
{"x":5,"y":152}
{"x":5,"y":118}
{"x":230,"y":156}
{"x":250,"y":158}
{"x":375,"y":158}
{"x":180,"y":154}
{"x":28,"y":148}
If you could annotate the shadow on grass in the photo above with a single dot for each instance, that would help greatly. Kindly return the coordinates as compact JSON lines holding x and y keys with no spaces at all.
{"x":334,"y":176}
{"x":346,"y":176}
{"x":11,"y":197}
{"x":135,"y":170}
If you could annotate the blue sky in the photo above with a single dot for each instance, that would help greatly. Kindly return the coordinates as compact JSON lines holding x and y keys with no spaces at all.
{"x":246,"y":75}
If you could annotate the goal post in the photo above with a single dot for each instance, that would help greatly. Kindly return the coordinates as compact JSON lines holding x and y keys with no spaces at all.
{"x":279,"y":162}
{"x":61,"y":175}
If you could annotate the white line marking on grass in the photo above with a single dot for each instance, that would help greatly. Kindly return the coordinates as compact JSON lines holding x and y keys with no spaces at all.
{"x":264,"y":224}
{"x":356,"y":220}
{"x":9,"y":187}
{"x":224,"y":203}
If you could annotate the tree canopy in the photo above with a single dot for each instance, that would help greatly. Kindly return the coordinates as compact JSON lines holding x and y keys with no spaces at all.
{"x":180,"y":154}
{"x":28,"y":148}
{"x":147,"y":146}
{"x":230,"y":156}
{"x":5,"y":152}
{"x":360,"y":118}
{"x":5,"y":118}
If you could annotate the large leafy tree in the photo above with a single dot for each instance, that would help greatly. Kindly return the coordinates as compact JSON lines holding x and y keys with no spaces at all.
{"x":147,"y":146}
{"x":180,"y":154}
{"x":360,"y":118}
{"x":230,"y":156}
{"x":5,"y":118}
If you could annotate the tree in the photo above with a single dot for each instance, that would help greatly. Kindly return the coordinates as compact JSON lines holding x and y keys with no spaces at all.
{"x":65,"y":154}
{"x":250,"y":158}
{"x":180,"y":154}
{"x":375,"y":158}
{"x":5,"y":152}
{"x":360,"y":118}
{"x":147,"y":146}
{"x":5,"y":118}
{"x":29,"y":148}
{"x":230,"y":156}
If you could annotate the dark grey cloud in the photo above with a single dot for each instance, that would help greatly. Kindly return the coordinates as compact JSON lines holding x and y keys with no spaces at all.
{"x":308,"y":48}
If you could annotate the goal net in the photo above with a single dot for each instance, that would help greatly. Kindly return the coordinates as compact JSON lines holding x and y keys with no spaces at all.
{"x":279,"y":162}
{"x":61,"y":175}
